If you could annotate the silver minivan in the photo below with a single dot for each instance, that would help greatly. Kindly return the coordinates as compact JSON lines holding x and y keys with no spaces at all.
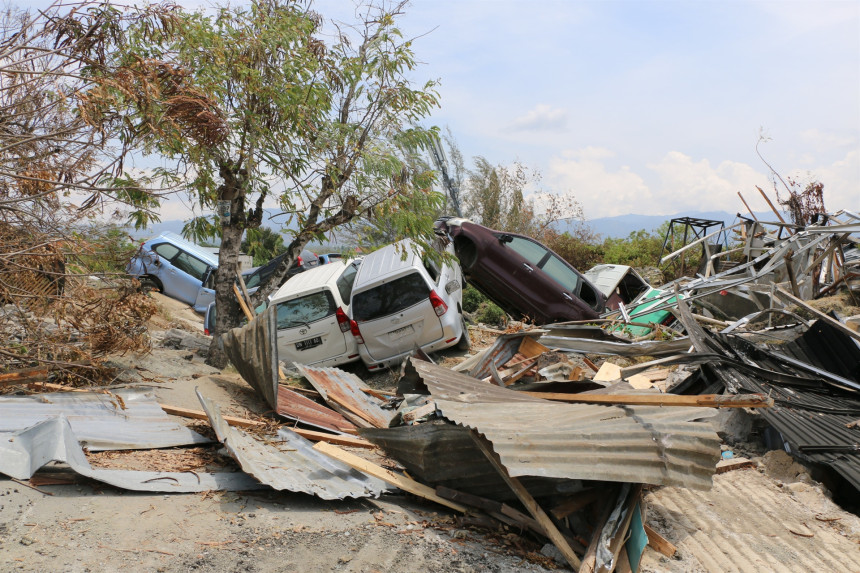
{"x":313,"y":319}
{"x":401,"y":300}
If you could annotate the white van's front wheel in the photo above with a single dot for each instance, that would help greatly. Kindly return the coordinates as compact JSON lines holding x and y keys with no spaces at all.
{"x":465,"y":342}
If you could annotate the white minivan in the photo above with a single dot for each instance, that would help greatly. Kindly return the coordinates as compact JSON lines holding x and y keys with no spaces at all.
{"x":401,"y":301}
{"x":313,"y":316}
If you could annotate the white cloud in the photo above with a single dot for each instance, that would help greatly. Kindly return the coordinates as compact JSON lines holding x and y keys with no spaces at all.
{"x":541,"y":118}
{"x":602,"y":192}
{"x":687,"y":185}
{"x":841,"y":181}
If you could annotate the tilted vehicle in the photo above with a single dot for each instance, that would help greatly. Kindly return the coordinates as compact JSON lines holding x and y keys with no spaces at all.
{"x":176,"y":267}
{"x":402,"y":300}
{"x":525,"y":278}
{"x":313,"y":316}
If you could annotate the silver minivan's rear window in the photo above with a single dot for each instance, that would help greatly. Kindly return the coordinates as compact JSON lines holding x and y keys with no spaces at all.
{"x":390,"y":297}
{"x":305,"y":310}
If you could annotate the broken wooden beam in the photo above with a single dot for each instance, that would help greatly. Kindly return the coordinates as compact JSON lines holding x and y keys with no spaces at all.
{"x":388,"y":476}
{"x":702,"y":401}
{"x":659,"y":543}
{"x":529,"y":502}
{"x":312,"y":435}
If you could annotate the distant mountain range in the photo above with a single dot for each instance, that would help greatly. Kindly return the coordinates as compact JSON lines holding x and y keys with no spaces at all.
{"x":622,"y":225}
{"x":615,"y":227}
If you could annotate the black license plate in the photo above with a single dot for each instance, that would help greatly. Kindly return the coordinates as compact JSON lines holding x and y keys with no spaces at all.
{"x":309,"y":343}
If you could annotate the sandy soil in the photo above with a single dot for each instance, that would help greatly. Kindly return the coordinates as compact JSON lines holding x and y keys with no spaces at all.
{"x":80,"y":525}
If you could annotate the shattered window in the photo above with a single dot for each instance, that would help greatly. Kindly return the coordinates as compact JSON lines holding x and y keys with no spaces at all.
{"x":306,"y":309}
{"x":390,"y":297}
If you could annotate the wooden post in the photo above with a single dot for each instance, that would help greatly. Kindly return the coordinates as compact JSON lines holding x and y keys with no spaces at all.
{"x":248,"y":314}
{"x":387,"y":476}
{"x":747,"y":206}
{"x":529,"y":502}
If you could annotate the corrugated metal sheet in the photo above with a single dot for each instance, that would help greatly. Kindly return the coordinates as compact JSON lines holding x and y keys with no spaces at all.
{"x":664,"y":446}
{"x":294,"y":406}
{"x":441,"y":453}
{"x":253,"y":351}
{"x":592,"y":346}
{"x":803,"y":416}
{"x":123,"y":420}
{"x":745,"y":523}
{"x":299,"y":468}
{"x":345,"y":390}
{"x":22,"y":453}
{"x":426,"y":378}
{"x":584,"y":441}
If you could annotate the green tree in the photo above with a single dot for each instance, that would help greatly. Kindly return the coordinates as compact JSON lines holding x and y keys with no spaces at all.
{"x":639,"y":249}
{"x":263,"y":244}
{"x":253,"y":105}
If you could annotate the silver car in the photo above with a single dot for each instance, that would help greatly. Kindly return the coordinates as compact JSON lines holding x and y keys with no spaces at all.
{"x":176,"y":267}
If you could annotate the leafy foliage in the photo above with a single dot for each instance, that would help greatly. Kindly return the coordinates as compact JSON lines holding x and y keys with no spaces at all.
{"x":263,"y":244}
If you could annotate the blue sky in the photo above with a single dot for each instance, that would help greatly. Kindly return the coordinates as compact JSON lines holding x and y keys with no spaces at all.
{"x":652,"y":107}
{"x":646,"y":107}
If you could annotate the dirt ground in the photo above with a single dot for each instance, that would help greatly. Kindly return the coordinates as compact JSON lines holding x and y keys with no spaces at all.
{"x":79,"y":525}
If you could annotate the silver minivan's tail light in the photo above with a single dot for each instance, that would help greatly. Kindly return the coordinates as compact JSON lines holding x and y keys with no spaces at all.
{"x":353,"y":326}
{"x":438,"y":304}
{"x":342,"y":320}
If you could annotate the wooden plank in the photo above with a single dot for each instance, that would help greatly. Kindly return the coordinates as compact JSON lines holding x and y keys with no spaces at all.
{"x":402,"y":482}
{"x":588,"y":560}
{"x":246,"y":297}
{"x":312,"y":435}
{"x":201,"y":415}
{"x":529,"y":502}
{"x":248,"y":314}
{"x":530,"y":348}
{"x":835,"y":323}
{"x":659,"y":543}
{"x":491,"y":506}
{"x":724,"y":466}
{"x":701,"y":401}
{"x":590,"y":364}
{"x":27,"y":375}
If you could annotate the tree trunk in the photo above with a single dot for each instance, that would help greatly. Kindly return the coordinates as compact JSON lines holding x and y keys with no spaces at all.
{"x":228,"y":312}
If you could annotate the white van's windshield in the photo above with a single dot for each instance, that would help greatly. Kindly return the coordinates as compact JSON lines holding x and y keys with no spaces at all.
{"x":390,"y":297}
{"x":305,"y":310}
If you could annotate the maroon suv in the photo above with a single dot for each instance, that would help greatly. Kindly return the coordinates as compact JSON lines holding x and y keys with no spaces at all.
{"x":523,"y":277}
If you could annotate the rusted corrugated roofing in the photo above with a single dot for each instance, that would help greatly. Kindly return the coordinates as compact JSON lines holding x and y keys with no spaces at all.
{"x":122,"y":420}
{"x":294,"y":406}
{"x":299,"y":468}
{"x":345,"y":390}
{"x":534,"y":437}
{"x":253,"y":350}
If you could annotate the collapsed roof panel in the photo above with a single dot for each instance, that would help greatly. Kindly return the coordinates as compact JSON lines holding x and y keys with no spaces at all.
{"x":346,"y":390}
{"x":121,"y":420}
{"x":535,"y":437}
{"x":23,"y":452}
{"x":297,"y":468}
